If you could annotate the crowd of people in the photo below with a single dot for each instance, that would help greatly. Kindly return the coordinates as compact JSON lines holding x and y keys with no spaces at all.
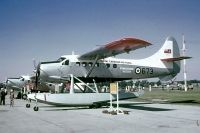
{"x":3,"y":93}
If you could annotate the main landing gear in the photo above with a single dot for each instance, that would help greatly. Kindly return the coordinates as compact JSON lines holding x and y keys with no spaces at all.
{"x":28,"y":105}
{"x":35,"y":108}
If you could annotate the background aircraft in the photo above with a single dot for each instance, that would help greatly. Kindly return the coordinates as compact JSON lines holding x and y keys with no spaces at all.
{"x":26,"y":84}
{"x":17,"y":83}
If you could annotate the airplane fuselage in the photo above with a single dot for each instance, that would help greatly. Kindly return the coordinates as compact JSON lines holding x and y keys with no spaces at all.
{"x":109,"y":69}
{"x":17,"y":83}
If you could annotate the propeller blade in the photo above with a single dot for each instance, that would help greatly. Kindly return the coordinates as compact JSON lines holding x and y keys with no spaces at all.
{"x":34,"y":63}
{"x":37,"y":75}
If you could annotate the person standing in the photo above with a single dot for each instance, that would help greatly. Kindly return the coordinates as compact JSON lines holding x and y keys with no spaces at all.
{"x":12,"y":98}
{"x":3,"y":95}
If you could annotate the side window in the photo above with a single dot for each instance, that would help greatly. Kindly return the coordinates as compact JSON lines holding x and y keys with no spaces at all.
{"x":97,"y":65}
{"x":77,"y":63}
{"x":114,"y":65}
{"x":66,"y":62}
{"x":108,"y":65}
{"x":90,"y":64}
{"x":84,"y":64}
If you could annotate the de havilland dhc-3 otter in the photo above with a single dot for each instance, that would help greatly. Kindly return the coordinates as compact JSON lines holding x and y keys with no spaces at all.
{"x":99,"y":65}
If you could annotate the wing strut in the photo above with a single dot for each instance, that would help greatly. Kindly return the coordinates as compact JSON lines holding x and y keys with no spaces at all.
{"x":93,"y":65}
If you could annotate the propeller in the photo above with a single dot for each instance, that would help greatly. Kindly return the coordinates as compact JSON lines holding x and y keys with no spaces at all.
{"x":37,"y":75}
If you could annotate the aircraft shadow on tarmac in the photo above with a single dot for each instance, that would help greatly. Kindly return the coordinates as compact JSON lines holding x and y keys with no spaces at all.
{"x":60,"y":108}
{"x":185,"y":101}
{"x":139,"y":106}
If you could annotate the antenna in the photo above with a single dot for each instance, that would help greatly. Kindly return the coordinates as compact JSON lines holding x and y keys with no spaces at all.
{"x":184,"y":64}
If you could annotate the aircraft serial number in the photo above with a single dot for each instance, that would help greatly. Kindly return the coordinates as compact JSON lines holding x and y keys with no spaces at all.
{"x":144,"y":70}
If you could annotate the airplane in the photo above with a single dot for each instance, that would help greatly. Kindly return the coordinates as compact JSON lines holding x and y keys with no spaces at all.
{"x":19,"y":83}
{"x":99,"y":65}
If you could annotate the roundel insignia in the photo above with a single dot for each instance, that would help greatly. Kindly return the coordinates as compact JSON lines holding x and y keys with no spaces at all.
{"x":137,"y":70}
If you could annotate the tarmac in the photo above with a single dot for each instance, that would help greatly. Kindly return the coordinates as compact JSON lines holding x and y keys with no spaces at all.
{"x":142,"y":118}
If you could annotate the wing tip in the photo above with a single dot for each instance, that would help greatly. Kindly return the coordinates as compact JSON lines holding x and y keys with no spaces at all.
{"x":128,"y":41}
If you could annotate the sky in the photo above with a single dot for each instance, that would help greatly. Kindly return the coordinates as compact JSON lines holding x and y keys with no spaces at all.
{"x":44,"y":30}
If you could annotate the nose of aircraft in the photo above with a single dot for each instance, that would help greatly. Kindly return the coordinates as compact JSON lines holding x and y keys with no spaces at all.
{"x":42,"y":72}
{"x":8,"y":82}
{"x":47,"y":71}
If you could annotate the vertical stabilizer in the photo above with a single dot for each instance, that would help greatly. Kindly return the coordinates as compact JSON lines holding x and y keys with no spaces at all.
{"x":169,"y":55}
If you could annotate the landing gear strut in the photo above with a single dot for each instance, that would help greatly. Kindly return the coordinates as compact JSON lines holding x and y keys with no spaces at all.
{"x":36,"y":108}
{"x":28,"y":105}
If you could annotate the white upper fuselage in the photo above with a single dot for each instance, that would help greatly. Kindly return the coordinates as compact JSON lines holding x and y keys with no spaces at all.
{"x":105,"y":69}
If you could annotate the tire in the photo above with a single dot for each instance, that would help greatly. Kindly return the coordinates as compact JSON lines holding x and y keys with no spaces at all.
{"x":36,"y":108}
{"x":24,"y":96}
{"x":28,"y":105}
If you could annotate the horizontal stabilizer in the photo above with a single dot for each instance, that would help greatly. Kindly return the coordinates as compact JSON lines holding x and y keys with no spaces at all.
{"x":176,"y":58}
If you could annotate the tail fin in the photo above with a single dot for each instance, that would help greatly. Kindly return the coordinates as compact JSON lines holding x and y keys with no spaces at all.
{"x":169,"y":56}
{"x":166,"y":60}
{"x":169,"y":50}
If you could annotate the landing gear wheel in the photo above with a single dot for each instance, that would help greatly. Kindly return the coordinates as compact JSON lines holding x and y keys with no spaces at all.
{"x":28,"y":105}
{"x":36,"y":108}
{"x":24,"y":96}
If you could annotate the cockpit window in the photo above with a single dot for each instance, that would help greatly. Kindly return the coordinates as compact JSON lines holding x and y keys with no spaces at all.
{"x":61,"y":59}
{"x":57,"y":61}
{"x":66,"y":62}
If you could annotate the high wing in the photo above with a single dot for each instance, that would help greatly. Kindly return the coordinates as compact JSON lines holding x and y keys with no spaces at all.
{"x":115,"y":48}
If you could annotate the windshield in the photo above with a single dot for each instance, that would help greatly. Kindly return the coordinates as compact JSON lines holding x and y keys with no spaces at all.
{"x":57,"y":61}
{"x":61,"y":59}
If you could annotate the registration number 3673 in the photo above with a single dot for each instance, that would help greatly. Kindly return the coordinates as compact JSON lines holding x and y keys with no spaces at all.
{"x":144,"y":70}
